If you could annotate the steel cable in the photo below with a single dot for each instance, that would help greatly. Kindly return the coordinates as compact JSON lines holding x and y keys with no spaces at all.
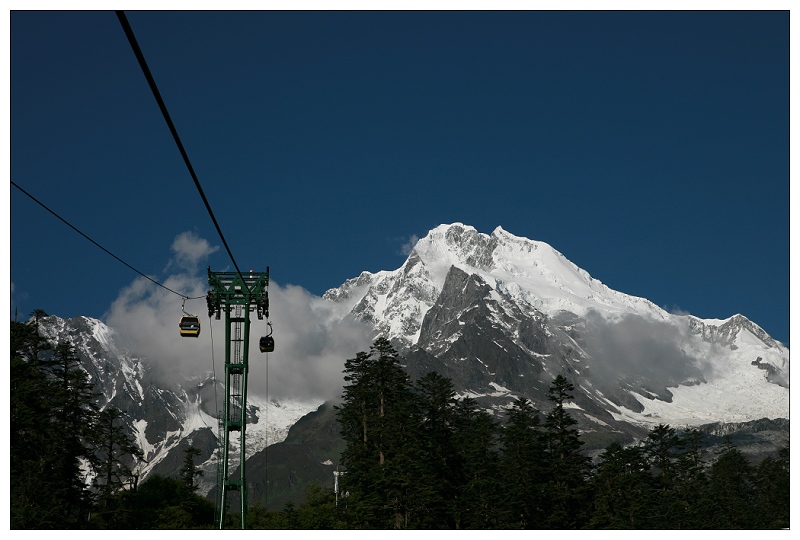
{"x":151,"y":81}
{"x":40,"y":203}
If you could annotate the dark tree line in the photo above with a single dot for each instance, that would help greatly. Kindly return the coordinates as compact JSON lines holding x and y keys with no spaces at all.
{"x":69,"y":461}
{"x":418,"y":457}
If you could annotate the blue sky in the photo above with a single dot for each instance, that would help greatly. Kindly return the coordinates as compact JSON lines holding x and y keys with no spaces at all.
{"x":650,"y":148}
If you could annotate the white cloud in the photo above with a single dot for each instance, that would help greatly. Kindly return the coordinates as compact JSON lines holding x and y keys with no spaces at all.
{"x":311,"y":341}
{"x":189,"y":249}
{"x":311,"y":346}
{"x":409,"y":246}
{"x":636,"y":348}
{"x":676,"y":310}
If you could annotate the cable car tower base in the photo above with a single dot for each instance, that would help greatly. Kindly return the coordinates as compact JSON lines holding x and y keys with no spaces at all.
{"x":235,"y":295}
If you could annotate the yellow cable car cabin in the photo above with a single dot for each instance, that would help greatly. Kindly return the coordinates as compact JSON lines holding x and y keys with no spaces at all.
{"x":190,"y":326}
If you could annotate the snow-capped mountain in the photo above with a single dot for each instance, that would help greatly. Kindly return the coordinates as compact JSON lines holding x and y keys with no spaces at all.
{"x":530,"y":273}
{"x":502,"y":315}
{"x":164,"y":419}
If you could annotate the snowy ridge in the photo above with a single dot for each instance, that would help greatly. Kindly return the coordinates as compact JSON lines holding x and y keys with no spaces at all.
{"x":160,"y":420}
{"x":745,"y":381}
{"x":193,"y":419}
{"x":542,"y":277}
{"x":523,"y":269}
{"x":741,"y":373}
{"x":526,"y":271}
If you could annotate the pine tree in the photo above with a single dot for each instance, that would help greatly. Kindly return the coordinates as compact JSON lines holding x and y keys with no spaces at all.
{"x":26,"y":341}
{"x":379,"y":420}
{"x":689,"y":482}
{"x":356,"y":418}
{"x":438,"y":455}
{"x":772,"y":485}
{"x":114,"y":449}
{"x":567,"y":494}
{"x":163,"y":503}
{"x":622,"y":489}
{"x":33,"y":438}
{"x":523,"y":466}
{"x":318,"y":510}
{"x":75,"y":414}
{"x":40,"y":344}
{"x":438,"y":402}
{"x":476,"y":477}
{"x":728,"y":499}
{"x":662,"y":448}
{"x":189,"y":471}
{"x":52,"y":411}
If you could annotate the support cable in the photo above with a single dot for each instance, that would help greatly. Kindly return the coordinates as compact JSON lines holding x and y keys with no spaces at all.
{"x":37,"y":201}
{"x":266,"y":418}
{"x":213,"y":364}
{"x":151,"y":81}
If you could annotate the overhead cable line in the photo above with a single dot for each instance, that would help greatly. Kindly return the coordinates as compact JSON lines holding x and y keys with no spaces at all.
{"x":213,"y":365}
{"x":151,"y":81}
{"x":37,"y":201}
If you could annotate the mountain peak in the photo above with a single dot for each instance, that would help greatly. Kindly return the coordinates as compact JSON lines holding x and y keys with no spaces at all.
{"x":490,"y":299}
{"x":529,"y":272}
{"x":500,"y":233}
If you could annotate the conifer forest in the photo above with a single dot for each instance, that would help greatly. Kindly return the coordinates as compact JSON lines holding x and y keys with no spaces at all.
{"x":416,"y":457}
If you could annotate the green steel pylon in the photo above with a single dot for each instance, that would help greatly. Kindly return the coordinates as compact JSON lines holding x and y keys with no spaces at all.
{"x":236,"y":295}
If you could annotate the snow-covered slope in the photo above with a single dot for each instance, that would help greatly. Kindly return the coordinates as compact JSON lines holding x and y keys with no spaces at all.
{"x":165,"y":419}
{"x":525,"y":270}
{"x":530,"y":272}
{"x":745,"y":377}
{"x":614,"y":345}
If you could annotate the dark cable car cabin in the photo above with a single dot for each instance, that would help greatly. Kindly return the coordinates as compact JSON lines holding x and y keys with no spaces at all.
{"x":190,"y":326}
{"x":266,"y":344}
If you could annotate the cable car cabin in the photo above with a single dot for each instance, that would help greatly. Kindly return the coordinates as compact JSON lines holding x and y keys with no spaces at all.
{"x":190,"y":326}
{"x":266,"y":344}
